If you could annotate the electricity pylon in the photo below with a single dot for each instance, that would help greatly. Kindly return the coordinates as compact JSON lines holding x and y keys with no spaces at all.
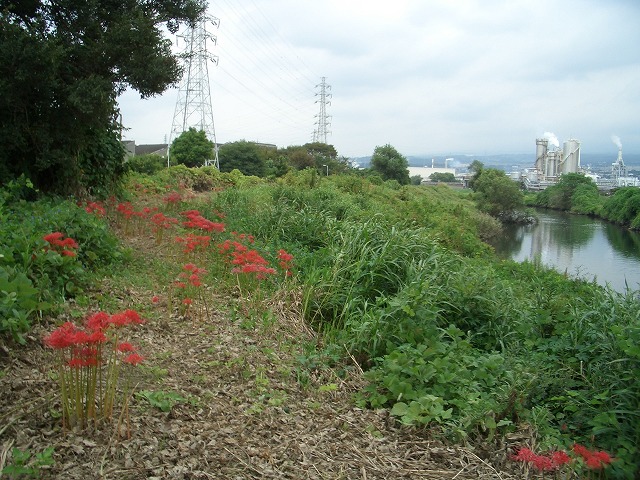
{"x":322,"y":123}
{"x":193,"y":107}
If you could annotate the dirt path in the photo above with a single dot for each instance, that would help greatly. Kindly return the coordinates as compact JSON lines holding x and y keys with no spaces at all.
{"x":248,"y":408}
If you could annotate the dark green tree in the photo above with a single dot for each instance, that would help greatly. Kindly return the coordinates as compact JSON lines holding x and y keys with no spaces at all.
{"x":476,"y":168}
{"x":447,"y":177}
{"x":390,"y":164}
{"x":147,"y":164}
{"x":248,"y":157}
{"x":496,"y":193}
{"x":63,"y":64}
{"x":559,"y":196}
{"x":191,"y":148}
{"x":416,"y":180}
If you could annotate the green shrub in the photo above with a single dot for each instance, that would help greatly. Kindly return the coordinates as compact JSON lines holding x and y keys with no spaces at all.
{"x":147,"y":164}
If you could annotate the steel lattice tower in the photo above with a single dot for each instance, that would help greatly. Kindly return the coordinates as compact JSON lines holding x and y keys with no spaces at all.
{"x":193,"y":107}
{"x":322,"y":123}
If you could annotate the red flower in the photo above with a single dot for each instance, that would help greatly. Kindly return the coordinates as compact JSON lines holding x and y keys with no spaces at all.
{"x":60,"y":245}
{"x":133,"y":359}
{"x":53,"y":238}
{"x":155,"y":299}
{"x":62,"y":337}
{"x":187,"y":301}
{"x":133,"y":317}
{"x":602,"y":456}
{"x":582,"y":451}
{"x":593,"y":463}
{"x":560,"y":458}
{"x":96,"y":337}
{"x":524,"y":455}
{"x":126,"y":347}
{"x":98,"y":321}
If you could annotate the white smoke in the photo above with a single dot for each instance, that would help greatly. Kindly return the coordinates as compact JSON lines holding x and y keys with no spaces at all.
{"x":616,"y":139}
{"x":553,"y":140}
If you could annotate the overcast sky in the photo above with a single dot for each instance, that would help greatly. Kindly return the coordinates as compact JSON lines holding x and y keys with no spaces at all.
{"x":426,"y":76}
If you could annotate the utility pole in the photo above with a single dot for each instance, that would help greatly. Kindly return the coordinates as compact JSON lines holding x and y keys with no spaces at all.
{"x":193,"y":107}
{"x":322,"y":123}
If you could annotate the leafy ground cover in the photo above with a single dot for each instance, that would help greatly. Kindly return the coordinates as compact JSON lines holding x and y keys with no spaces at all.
{"x":333,"y":329}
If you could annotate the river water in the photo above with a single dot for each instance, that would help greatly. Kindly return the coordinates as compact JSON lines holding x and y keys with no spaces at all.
{"x":581,"y":246}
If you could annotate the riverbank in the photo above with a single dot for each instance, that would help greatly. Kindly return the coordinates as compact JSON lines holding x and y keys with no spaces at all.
{"x":246,"y":398}
{"x":392,"y":303}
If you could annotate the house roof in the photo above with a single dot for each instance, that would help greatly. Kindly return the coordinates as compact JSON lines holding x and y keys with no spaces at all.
{"x":159,"y":148}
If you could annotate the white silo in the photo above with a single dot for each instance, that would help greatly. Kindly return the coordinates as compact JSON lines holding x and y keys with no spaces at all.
{"x":552,"y":163}
{"x":542,"y":145}
{"x":571,"y":156}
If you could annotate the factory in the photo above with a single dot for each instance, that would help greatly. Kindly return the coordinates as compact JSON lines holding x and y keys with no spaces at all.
{"x":551,"y":162}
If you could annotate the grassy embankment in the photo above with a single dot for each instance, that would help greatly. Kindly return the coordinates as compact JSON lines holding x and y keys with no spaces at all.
{"x":396,"y":280}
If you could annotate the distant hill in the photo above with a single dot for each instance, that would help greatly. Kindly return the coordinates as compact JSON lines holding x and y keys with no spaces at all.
{"x":506,"y":161}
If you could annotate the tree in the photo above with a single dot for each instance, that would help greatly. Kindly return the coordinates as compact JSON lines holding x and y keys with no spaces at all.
{"x":148,"y":164}
{"x":248,"y":157}
{"x":191,"y":148}
{"x":390,"y":164}
{"x":476,"y":167}
{"x":447,"y":177}
{"x":559,"y":196}
{"x":416,"y":180}
{"x":63,"y":64}
{"x":497,"y":194}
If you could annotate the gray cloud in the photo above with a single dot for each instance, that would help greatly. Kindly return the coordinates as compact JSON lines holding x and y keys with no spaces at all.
{"x":428,"y":77}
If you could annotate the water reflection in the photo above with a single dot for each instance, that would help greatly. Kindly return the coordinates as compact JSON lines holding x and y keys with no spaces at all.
{"x":578,"y":245}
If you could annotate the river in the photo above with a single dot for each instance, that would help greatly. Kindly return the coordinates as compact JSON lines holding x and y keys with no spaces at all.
{"x":581,"y":246}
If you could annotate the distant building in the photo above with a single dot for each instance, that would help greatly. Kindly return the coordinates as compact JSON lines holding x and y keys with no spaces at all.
{"x":152,"y":149}
{"x":130,"y":147}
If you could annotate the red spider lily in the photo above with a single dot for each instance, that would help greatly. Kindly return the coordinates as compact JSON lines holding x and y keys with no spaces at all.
{"x":126,"y":347}
{"x":524,"y":455}
{"x":248,"y":257}
{"x":229,"y":248}
{"x":61,"y":245}
{"x":560,"y":458}
{"x":260,"y":270}
{"x":97,"y":336}
{"x":62,"y":337}
{"x":98,"y":321}
{"x":172,"y":198}
{"x":187,"y":301}
{"x":542,"y":463}
{"x":88,"y":369}
{"x":195,"y":220}
{"x":191,"y":242}
{"x":126,"y":209}
{"x":133,"y":359}
{"x":595,"y":460}
{"x":162,"y":221}
{"x":155,"y":299}
{"x":244,"y":236}
{"x":285,"y":260}
{"x":95,"y":208}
